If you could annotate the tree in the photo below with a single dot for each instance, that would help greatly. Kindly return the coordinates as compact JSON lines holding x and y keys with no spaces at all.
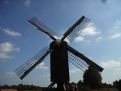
{"x":117,"y":84}
{"x":92,"y":78}
{"x":80,"y":85}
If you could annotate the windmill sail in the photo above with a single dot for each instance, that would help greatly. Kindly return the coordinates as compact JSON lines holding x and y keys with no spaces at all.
{"x":77,"y":61}
{"x":74,"y":30}
{"x":84,"y":58}
{"x":42,"y":27}
{"x":23,"y":70}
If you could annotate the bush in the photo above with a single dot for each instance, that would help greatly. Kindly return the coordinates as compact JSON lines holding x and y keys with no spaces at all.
{"x":92,"y":78}
{"x":117,"y":84}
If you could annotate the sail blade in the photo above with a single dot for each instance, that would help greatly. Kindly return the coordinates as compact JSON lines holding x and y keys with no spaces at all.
{"x":42,"y":27}
{"x":75,"y":30}
{"x":26,"y":68}
{"x":84,"y":58}
{"x":78,"y":62}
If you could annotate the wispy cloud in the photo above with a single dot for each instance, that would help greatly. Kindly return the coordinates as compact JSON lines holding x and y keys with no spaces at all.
{"x":111,"y":64}
{"x":42,"y":66}
{"x":75,"y":70}
{"x":99,"y":38}
{"x":7,"y":47}
{"x":81,"y":39}
{"x":11,"y":32}
{"x":115,"y":36}
{"x":116,"y":27}
{"x":5,"y":50}
{"x":5,"y":56}
{"x":112,"y":69}
{"x":90,"y":30}
{"x":27,"y":3}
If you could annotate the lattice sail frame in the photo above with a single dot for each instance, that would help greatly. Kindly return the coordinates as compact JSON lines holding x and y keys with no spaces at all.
{"x":42,"y":27}
{"x":77,"y":61}
{"x":86,"y":59}
{"x":78,"y":29}
{"x":23,"y":70}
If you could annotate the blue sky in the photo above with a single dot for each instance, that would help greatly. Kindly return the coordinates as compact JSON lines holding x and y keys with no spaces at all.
{"x":19,"y":41}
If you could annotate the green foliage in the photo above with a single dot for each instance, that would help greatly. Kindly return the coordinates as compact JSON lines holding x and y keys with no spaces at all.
{"x":117,"y":84}
{"x":80,"y":85}
{"x":92,"y":78}
{"x":22,"y":87}
{"x":105,"y":85}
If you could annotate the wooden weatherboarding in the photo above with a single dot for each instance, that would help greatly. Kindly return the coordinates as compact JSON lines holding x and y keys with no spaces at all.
{"x":60,"y":54}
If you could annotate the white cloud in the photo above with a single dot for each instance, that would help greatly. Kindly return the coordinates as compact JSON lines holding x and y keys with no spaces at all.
{"x":11,"y":33}
{"x":117,"y":25}
{"x":5,"y":50}
{"x":79,"y":39}
{"x":99,"y":38}
{"x":4,"y":56}
{"x":27,"y":3}
{"x":90,"y":30}
{"x":111,"y":72}
{"x":114,"y":36}
{"x":8,"y":47}
{"x":111,"y":64}
{"x":74,"y":71}
{"x":115,"y":30}
{"x":42,"y":66}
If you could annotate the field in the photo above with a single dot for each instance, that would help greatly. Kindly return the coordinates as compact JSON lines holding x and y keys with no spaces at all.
{"x":84,"y":89}
{"x":102,"y":89}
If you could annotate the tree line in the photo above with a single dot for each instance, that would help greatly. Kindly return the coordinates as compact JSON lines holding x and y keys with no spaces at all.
{"x":21,"y":87}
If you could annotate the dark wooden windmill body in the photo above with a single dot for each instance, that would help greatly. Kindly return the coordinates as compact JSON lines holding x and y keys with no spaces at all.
{"x":60,"y":54}
{"x":59,"y":62}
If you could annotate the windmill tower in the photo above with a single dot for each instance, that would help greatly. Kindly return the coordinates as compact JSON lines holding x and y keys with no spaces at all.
{"x":60,"y":54}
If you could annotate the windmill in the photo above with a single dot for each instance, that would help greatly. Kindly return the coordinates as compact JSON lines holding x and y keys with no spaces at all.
{"x":60,"y":54}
